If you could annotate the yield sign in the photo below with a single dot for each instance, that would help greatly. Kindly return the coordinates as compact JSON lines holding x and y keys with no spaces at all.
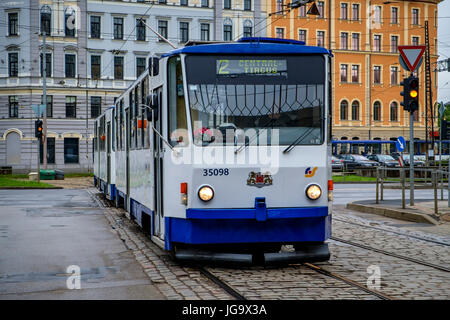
{"x":411,"y":55}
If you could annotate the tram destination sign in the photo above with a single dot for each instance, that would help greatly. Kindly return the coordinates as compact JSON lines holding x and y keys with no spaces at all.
{"x":258,"y":67}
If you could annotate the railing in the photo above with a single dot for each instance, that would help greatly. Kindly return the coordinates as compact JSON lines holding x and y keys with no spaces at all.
{"x":430,"y":178}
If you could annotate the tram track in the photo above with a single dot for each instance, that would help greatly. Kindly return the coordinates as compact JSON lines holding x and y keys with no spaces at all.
{"x":395,"y":255}
{"x":222,"y":284}
{"x":394,"y":232}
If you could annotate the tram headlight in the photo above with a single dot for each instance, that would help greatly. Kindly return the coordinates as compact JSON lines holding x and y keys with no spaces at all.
{"x":313,"y":192}
{"x":206,"y":193}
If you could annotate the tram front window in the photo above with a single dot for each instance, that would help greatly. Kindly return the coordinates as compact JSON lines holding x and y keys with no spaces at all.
{"x":271,"y":100}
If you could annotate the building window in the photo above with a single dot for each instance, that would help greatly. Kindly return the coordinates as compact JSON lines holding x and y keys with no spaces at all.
{"x":376,"y":111}
{"x":248,"y":5}
{"x":344,"y":110}
{"x":377,"y":15}
{"x":355,"y":12}
{"x":70,"y":65}
{"x":248,"y":28}
{"x":302,"y":35}
{"x":228,"y":30}
{"x":204,"y":31}
{"x":394,"y":111}
{"x":394,"y":75}
{"x":49,"y":105}
{"x":302,"y":11}
{"x":227,"y":4}
{"x":205,"y":3}
{"x":394,"y":44}
{"x":320,"y":6}
{"x":162,"y":28}
{"x":355,"y":41}
{"x":13,"y":64}
{"x":344,"y":11}
{"x":377,"y":42}
{"x":355,"y":73}
{"x":184,"y":2}
{"x":50,"y":150}
{"x":70,"y":150}
{"x":184,"y":32}
{"x":48,"y":64}
{"x":118,"y":28}
{"x":46,"y":20}
{"x":355,"y":110}
{"x":320,"y":38}
{"x":162,"y":1}
{"x":13,"y":24}
{"x":13,"y":107}
{"x":118,"y":68}
{"x":344,"y":73}
{"x":415,"y":41}
{"x":280,"y":33}
{"x":71,"y":107}
{"x":69,"y":22}
{"x":344,"y":40}
{"x":415,"y":16}
{"x":96,"y":106}
{"x":394,"y":15}
{"x":280,"y":6}
{"x":377,"y":74}
{"x":95,"y":67}
{"x":140,"y":29}
{"x":140,"y":66}
{"x":95,"y":27}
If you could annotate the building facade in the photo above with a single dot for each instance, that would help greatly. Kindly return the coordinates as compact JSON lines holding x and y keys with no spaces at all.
{"x":94,"y":50}
{"x":364,"y":35}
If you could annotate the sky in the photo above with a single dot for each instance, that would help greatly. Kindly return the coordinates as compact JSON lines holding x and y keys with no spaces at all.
{"x":444,"y":49}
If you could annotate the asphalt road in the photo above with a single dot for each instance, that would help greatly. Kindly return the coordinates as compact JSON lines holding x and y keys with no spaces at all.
{"x":43,"y":232}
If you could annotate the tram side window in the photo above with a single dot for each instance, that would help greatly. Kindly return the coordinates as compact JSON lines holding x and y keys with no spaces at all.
{"x":177,"y":109}
{"x":121,"y":126}
{"x":102,"y":134}
{"x":132,"y":122}
{"x":113,"y":130}
{"x":94,"y":141}
{"x":138,"y":116}
{"x":145,"y":125}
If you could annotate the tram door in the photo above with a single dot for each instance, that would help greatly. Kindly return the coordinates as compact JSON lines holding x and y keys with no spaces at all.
{"x":108,"y":152}
{"x":127,"y":148}
{"x":158,"y":154}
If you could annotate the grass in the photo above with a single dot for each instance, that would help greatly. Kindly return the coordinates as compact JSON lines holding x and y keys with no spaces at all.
{"x":7,"y":181}
{"x":353,"y":178}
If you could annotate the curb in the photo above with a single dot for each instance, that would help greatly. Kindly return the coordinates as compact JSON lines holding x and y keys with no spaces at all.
{"x":393,"y":213}
{"x":29,"y":188}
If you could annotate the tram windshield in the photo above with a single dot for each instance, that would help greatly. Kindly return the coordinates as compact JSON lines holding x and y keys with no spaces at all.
{"x":263,"y":100}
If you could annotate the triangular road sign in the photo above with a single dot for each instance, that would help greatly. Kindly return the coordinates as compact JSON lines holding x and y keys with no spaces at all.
{"x":411,"y":55}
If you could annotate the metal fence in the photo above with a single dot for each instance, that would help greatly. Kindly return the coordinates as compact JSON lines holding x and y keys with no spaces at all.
{"x":428,"y":178}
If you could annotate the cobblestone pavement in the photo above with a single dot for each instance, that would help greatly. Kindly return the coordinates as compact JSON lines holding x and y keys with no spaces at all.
{"x":399,"y":278}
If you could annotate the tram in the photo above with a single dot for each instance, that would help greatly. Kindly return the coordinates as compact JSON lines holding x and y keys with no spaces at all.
{"x":222,"y":151}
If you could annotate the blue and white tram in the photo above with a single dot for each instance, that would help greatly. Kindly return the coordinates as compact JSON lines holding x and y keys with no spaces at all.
{"x":222,"y":151}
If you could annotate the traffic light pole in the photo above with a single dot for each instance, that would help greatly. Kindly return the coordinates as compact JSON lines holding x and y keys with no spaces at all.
{"x":39,"y":160}
{"x":411,"y":159}
{"x":44,"y":101}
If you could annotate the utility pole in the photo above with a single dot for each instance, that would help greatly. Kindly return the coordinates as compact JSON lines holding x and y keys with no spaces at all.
{"x":44,"y":99}
{"x":428,"y":91}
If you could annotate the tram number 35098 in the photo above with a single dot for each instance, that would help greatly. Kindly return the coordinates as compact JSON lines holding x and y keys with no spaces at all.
{"x":216,"y":172}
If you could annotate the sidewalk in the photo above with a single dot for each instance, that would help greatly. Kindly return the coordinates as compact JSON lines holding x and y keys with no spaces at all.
{"x":422,"y":211}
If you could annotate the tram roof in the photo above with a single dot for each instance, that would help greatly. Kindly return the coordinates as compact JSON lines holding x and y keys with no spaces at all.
{"x":252,"y":46}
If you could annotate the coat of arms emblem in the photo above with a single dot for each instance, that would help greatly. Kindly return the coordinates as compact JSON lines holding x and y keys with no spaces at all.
{"x":259,"y":179}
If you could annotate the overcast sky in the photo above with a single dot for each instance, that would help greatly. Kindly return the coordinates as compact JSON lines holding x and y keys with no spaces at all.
{"x":444,"y":49}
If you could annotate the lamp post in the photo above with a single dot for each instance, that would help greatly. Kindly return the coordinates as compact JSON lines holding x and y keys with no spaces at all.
{"x":44,"y":10}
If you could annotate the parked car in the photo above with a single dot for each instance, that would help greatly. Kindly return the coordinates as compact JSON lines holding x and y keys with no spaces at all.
{"x":352,"y":161}
{"x":417,"y":162}
{"x":337,"y":164}
{"x":384,"y":159}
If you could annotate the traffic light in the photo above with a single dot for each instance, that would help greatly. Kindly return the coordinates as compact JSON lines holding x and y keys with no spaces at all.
{"x":410,"y":94}
{"x":38,"y":129}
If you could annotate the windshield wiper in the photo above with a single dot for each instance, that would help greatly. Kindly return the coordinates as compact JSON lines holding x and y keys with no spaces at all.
{"x":298,"y":140}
